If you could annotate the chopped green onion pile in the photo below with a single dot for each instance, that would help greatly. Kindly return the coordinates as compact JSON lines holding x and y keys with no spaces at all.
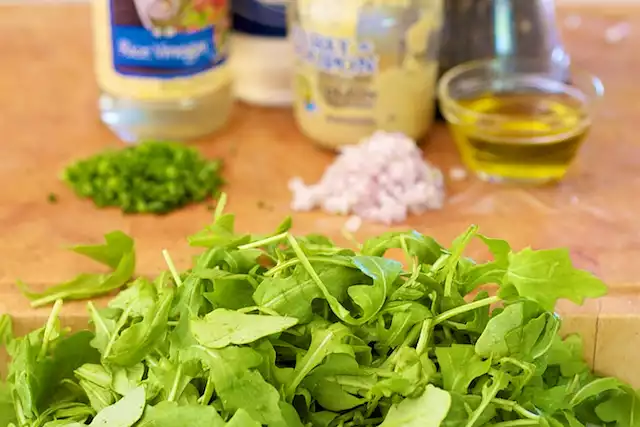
{"x":286,"y":331}
{"x":153,"y":177}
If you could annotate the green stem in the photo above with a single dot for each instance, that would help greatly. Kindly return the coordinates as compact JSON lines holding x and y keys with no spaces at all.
{"x":48,"y":330}
{"x":465,"y":308}
{"x":22,"y":418}
{"x":411,"y":338}
{"x":516,"y":423}
{"x":405,"y":249}
{"x":335,"y":305}
{"x":455,"y":325}
{"x":97,"y":319}
{"x":119,"y":325}
{"x":49,"y":299}
{"x":293,"y":262}
{"x":491,"y":394}
{"x":208,"y":392}
{"x":350,"y":238}
{"x":172,"y":267}
{"x":456,"y":254}
{"x":510,"y":405}
{"x":425,"y":335}
{"x":222,"y":202}
{"x":525,"y":368}
{"x":264,"y":242}
{"x":176,"y":383}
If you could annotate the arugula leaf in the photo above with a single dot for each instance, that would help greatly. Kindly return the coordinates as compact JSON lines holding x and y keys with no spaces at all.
{"x":230,"y":291}
{"x":623,"y":409}
{"x":323,"y":343}
{"x":110,"y":254}
{"x":41,"y":361}
{"x":242,"y":419}
{"x":424,"y":248}
{"x":124,"y":413}
{"x":220,"y":234}
{"x":132,"y":345}
{"x":521,"y":330}
{"x":169,"y":414}
{"x":567,"y":354}
{"x":370,"y":299}
{"x":595,"y":388}
{"x":548,"y":275}
{"x":7,"y":412}
{"x":429,"y":410}
{"x":492,"y":342}
{"x":331,"y":382}
{"x":241,"y":387}
{"x":294,"y":295}
{"x":118,"y":253}
{"x":342,"y":339}
{"x":6,"y":330}
{"x":223,"y":327}
{"x":460,"y":366}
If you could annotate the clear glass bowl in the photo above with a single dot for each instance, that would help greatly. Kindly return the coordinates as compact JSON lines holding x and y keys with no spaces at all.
{"x":519,"y":119}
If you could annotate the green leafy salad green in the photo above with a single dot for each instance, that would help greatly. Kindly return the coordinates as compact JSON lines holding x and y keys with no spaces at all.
{"x":285,"y":331}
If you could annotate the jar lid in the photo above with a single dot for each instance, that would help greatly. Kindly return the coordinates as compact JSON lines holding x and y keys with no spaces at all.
{"x":266,"y":18}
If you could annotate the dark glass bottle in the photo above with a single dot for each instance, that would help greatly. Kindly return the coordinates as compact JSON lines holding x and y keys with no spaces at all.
{"x":482,"y":29}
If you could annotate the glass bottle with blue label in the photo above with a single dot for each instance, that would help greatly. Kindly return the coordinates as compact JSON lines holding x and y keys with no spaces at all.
{"x":161,"y":66}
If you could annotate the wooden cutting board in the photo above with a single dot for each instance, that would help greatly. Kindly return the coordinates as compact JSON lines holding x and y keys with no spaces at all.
{"x":48,"y":118}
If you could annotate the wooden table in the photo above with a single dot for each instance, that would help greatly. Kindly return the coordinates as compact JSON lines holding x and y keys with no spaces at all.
{"x":48,"y":118}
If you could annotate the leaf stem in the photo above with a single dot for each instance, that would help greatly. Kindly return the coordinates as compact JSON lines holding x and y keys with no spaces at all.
{"x":97,"y":319}
{"x":425,"y":335}
{"x":486,"y":400}
{"x":208,"y":392}
{"x":527,"y":368}
{"x":48,"y":299}
{"x":335,"y":305}
{"x":292,"y":262}
{"x":268,"y":241}
{"x":407,"y":254}
{"x":48,"y":330}
{"x":222,"y":202}
{"x":516,"y":423}
{"x":176,"y":383}
{"x":513,"y":406}
{"x":172,"y":267}
{"x":411,"y":338}
{"x":119,"y":325}
{"x":456,"y":253}
{"x":22,"y":418}
{"x":465,"y":308}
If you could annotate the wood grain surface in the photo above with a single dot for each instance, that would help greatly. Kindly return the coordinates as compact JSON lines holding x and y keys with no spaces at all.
{"x":48,"y":117}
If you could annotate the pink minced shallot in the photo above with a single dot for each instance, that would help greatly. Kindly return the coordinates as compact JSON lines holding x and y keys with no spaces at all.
{"x":382,"y":179}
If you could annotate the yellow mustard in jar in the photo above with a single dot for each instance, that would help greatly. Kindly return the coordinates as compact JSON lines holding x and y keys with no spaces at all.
{"x":365,"y":65}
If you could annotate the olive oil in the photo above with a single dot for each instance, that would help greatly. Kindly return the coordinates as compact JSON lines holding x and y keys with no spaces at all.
{"x":529,"y":136}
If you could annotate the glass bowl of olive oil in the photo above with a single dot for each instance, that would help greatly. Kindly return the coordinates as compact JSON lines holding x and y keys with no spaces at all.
{"x":519,"y":120}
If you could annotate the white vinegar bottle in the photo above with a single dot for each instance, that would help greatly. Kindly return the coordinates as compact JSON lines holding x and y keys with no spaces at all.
{"x":161,"y":66}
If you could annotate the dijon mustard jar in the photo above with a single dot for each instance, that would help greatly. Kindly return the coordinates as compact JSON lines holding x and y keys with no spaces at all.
{"x":364,"y":65}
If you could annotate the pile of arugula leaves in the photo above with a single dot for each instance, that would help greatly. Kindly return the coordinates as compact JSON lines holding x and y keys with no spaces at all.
{"x":285,"y":331}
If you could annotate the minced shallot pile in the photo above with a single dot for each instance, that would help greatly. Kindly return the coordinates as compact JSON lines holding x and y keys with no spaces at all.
{"x":382,"y":179}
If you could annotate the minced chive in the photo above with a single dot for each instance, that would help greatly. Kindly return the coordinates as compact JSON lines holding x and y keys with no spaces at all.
{"x":153,"y":177}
